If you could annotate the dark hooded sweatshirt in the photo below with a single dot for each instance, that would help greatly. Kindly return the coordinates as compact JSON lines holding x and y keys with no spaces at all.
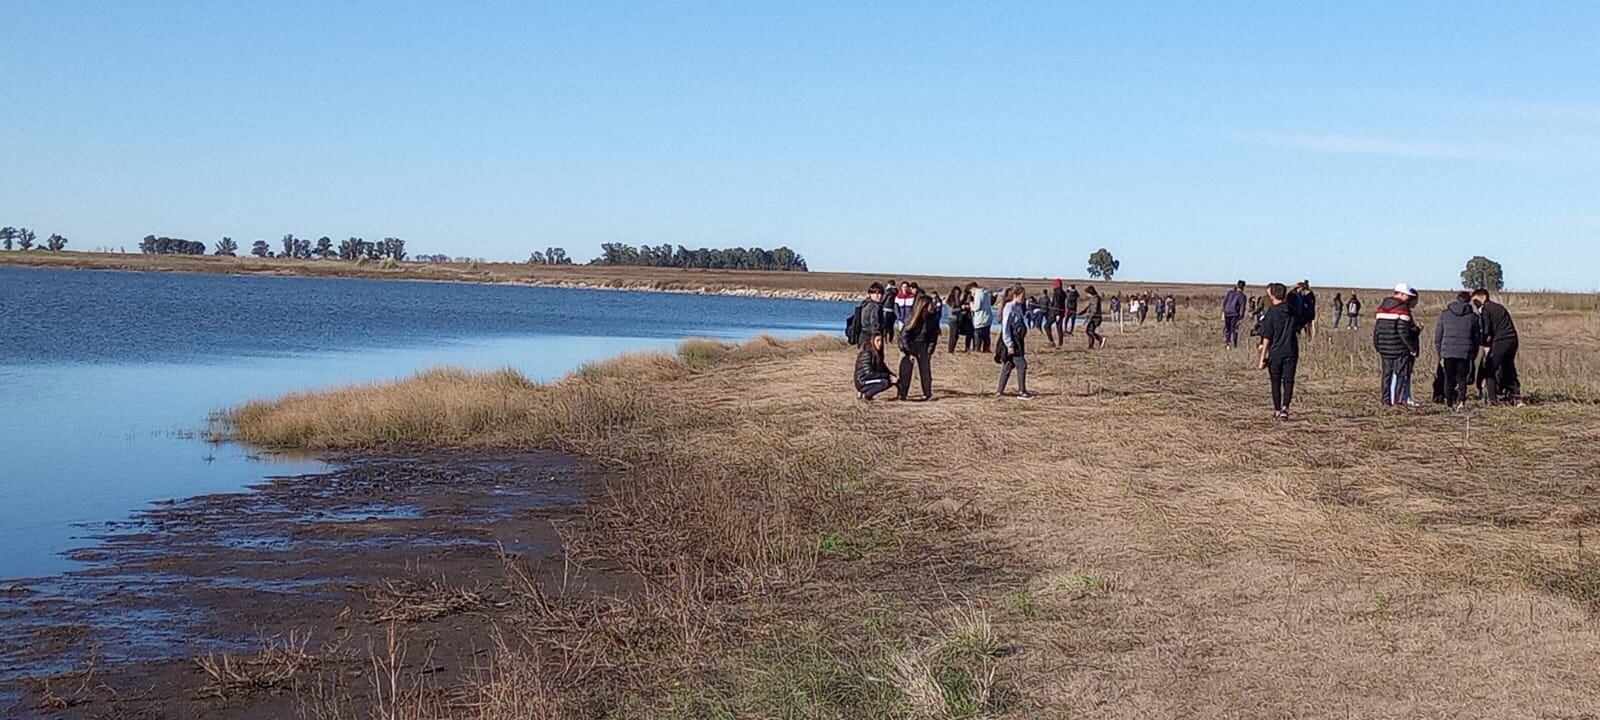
{"x":869,"y":365}
{"x":1459,"y":334}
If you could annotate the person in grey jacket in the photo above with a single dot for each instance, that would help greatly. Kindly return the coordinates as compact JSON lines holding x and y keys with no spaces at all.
{"x":1456,"y":339}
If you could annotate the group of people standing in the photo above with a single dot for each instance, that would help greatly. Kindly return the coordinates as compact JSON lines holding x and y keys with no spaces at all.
{"x":1471,"y":325}
{"x":916,"y":316}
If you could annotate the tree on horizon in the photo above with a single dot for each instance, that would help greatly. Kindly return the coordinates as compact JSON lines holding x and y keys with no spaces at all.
{"x":7,"y":235}
{"x":25,"y":238}
{"x":227,"y":247}
{"x":1102,"y":264}
{"x":261,"y":249}
{"x":55,"y":243}
{"x":1481,"y":272}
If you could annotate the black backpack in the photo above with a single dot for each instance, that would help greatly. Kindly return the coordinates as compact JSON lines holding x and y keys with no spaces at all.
{"x":852,"y":327}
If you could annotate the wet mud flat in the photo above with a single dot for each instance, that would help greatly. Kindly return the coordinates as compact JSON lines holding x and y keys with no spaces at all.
{"x":311,"y":572}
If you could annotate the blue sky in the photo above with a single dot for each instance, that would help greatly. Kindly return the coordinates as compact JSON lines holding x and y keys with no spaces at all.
{"x":1345,"y":142}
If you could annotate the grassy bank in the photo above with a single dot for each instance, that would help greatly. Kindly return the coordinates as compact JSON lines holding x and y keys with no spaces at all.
{"x":1140,"y":541}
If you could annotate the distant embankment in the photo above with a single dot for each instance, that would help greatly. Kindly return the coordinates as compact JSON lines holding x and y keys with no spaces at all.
{"x":758,"y":283}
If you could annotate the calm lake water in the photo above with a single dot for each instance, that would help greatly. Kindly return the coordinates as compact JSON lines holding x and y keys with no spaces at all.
{"x":107,"y":378}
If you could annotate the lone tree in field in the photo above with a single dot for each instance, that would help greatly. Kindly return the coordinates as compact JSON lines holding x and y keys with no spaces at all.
{"x":55,"y":243}
{"x":227,"y":247}
{"x":261,"y":249}
{"x":1482,"y":272}
{"x":1102,"y":265}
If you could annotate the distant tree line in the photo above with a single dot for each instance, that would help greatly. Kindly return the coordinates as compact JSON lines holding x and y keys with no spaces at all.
{"x":21,"y":238}
{"x":727,"y":258}
{"x":550,"y":256}
{"x":152,"y":245}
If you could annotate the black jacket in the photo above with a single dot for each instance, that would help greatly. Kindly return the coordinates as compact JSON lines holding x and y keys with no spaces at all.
{"x":870,"y":318}
{"x":925,"y":331}
{"x":1459,"y":334}
{"x":1070,"y":301}
{"x":1395,"y":333}
{"x":869,"y":365}
{"x":1497,"y":325}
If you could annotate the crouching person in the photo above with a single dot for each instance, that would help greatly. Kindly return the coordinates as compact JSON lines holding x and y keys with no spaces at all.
{"x":872,"y":374}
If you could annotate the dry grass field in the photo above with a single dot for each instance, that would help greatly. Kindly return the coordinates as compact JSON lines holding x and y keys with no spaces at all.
{"x":1142,"y":540}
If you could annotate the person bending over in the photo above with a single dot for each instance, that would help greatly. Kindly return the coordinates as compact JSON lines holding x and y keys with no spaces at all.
{"x":1092,"y":315}
{"x":1500,"y":336}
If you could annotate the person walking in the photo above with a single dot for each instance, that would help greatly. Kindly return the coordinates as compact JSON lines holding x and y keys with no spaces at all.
{"x":1056,"y":306}
{"x":1012,"y":352}
{"x":982,"y":315}
{"x":1116,"y":310}
{"x":872,"y":374}
{"x":1092,"y":315}
{"x":1395,"y":335}
{"x":1279,"y":348}
{"x":918,"y":338}
{"x":1233,"y":307}
{"x":1069,"y":305}
{"x":1353,"y":308}
{"x":1338,"y":311}
{"x":1500,"y":336}
{"x":959,"y":313}
{"x":1172,"y":308}
{"x":1161,"y":308}
{"x":1456,"y":339}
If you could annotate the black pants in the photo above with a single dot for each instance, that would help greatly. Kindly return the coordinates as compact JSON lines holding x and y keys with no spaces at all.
{"x":922,"y":353}
{"x":982,"y":334}
{"x":1280,"y":371}
{"x":1052,"y":323}
{"x":1500,"y":371}
{"x":1397,"y":379}
{"x":955,"y":334}
{"x":1230,"y":330}
{"x":873,"y":386}
{"x":1092,"y":329}
{"x":1457,"y":371}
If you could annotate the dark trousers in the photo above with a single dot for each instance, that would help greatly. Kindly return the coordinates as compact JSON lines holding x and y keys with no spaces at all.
{"x":1397,"y":379}
{"x":922,"y":353}
{"x":982,"y":334}
{"x":1230,"y":330}
{"x":1500,"y":371}
{"x":873,"y":386}
{"x":1018,"y":363}
{"x":1092,"y":329}
{"x":1280,"y":372}
{"x":1052,"y":324}
{"x":1456,"y":373}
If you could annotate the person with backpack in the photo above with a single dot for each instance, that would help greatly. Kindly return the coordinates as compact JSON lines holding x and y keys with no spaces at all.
{"x":1338,"y":311}
{"x":1234,"y":305}
{"x":1091,"y":313}
{"x":982,"y":315}
{"x":1456,"y":339}
{"x":917,"y":340}
{"x":1500,"y":336}
{"x":1395,"y":335}
{"x":1353,"y":308}
{"x":1012,"y":352}
{"x":1279,"y":348}
{"x":868,"y":318}
{"x":872,"y":374}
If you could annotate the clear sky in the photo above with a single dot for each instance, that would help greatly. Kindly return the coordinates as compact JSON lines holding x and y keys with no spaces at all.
{"x":1347,"y":142}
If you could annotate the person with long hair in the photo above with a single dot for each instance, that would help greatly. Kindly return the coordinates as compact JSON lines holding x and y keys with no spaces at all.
{"x":1012,"y":353}
{"x":918,"y":338}
{"x":960,"y":317}
{"x":872,"y":374}
{"x":1092,"y":317}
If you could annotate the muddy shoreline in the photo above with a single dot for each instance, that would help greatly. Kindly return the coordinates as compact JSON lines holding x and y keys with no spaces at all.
{"x":315,"y":566}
